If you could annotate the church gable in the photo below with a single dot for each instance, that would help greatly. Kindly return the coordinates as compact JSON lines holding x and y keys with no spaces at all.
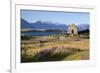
{"x":72,"y":29}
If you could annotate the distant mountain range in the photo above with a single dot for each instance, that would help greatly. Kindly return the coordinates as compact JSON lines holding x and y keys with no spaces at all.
{"x":49,"y":25}
{"x":82,"y":27}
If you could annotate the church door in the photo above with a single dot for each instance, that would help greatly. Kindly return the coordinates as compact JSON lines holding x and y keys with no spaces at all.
{"x":72,"y":31}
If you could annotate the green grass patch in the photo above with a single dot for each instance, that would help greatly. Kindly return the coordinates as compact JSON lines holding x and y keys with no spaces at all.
{"x":83,"y":55}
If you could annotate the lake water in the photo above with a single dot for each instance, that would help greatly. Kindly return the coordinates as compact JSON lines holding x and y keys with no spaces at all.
{"x":41,"y":33}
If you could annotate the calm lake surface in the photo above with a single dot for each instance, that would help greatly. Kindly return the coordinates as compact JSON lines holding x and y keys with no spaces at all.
{"x":41,"y":33}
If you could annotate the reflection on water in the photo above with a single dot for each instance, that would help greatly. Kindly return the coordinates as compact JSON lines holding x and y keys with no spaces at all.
{"x":41,"y":33}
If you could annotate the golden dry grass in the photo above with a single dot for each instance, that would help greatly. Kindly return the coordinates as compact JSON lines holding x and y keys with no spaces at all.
{"x":32,"y":49}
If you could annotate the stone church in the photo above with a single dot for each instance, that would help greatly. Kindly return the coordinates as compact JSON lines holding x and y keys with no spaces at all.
{"x":72,"y":29}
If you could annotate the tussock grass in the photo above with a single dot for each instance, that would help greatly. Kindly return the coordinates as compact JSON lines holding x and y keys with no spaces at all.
{"x":50,"y":48}
{"x":50,"y":54}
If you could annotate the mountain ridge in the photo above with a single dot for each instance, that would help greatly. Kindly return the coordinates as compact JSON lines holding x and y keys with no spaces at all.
{"x":49,"y":25}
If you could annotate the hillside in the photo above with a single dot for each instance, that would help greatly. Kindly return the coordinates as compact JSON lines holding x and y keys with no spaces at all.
{"x":50,"y":26}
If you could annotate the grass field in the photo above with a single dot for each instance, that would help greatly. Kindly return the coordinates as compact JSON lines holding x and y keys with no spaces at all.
{"x":83,"y":55}
{"x":55,"y":48}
